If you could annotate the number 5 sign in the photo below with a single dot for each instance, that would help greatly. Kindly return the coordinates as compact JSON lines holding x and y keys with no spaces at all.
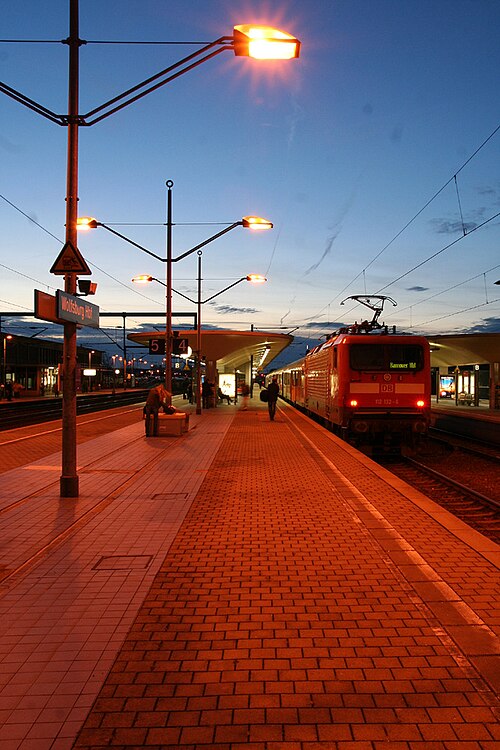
{"x":157,"y":346}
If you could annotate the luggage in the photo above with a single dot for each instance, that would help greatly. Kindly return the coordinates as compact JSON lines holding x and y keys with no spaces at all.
{"x":264,"y":395}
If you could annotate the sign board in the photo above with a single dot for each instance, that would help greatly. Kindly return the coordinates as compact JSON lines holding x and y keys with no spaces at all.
{"x":179,"y":346}
{"x":77,"y":310}
{"x":157,"y":346}
{"x":46,"y":307}
{"x":70,"y":260}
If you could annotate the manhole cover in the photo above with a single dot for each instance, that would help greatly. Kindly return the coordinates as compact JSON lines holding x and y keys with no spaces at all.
{"x":123,"y":562}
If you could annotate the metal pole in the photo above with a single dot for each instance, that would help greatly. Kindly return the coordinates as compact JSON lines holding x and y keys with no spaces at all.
{"x":124,"y":352}
{"x":198,"y":340}
{"x":168,"y":300}
{"x":69,"y":477}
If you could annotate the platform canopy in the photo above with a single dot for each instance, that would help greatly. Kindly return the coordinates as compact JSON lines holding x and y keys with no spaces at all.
{"x":230,"y":349}
{"x":464,"y":349}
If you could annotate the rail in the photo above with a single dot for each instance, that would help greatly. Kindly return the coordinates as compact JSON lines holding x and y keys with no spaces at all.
{"x":20,"y":412}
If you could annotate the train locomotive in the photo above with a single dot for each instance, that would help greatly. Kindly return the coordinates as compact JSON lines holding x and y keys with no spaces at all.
{"x":367,"y":383}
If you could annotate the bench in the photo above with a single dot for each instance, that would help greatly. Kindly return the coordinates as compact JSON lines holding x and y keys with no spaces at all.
{"x":466,"y":398}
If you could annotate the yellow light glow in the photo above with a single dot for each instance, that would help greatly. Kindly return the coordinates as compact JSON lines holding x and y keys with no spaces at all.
{"x":420,"y":403}
{"x":264,"y":43}
{"x":143,"y":278}
{"x":256,"y":222}
{"x":84,"y":223}
{"x":256,"y":278}
{"x":353,"y":402}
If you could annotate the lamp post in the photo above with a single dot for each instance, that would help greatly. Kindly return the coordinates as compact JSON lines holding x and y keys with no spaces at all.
{"x":253,"y":278}
{"x":255,"y":223}
{"x":247,"y":40}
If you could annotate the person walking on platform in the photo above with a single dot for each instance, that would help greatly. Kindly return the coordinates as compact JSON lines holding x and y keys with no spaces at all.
{"x":273,"y":390}
{"x":157,"y":397}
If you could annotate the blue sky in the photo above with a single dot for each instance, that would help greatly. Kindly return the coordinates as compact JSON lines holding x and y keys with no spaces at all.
{"x":341,"y":149}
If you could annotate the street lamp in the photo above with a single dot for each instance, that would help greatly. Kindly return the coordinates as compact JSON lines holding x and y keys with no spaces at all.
{"x":247,"y":40}
{"x":252,"y":277}
{"x":7,"y":337}
{"x":254,"y":223}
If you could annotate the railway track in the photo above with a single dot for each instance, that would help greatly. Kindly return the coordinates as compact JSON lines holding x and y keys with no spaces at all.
{"x":20,"y":413}
{"x":471,"y":493}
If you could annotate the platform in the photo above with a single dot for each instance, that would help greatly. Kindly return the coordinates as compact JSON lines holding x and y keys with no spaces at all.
{"x":249,"y":584}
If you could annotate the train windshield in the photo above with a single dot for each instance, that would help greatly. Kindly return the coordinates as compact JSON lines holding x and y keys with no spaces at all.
{"x":387,"y":357}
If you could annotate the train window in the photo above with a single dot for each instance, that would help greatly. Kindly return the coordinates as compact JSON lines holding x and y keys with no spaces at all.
{"x":365,"y":357}
{"x":392,"y":357}
{"x":405,"y":357}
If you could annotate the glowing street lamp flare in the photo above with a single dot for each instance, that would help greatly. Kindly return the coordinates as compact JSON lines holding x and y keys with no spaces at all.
{"x":256,"y":222}
{"x":143,"y":278}
{"x":256,"y":278}
{"x":264,"y":43}
{"x":84,"y":223}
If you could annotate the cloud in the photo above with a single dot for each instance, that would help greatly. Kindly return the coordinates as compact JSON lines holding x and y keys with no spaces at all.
{"x":228,"y":310}
{"x":445,"y":226}
{"x":337,"y":228}
{"x":417,"y":289}
{"x":321,"y":325}
{"x":489,"y":325}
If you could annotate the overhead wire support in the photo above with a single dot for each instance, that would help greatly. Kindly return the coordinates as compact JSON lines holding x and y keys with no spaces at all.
{"x":464,"y":230}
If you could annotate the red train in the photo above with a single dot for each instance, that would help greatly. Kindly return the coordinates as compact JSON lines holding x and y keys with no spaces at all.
{"x":367,"y":383}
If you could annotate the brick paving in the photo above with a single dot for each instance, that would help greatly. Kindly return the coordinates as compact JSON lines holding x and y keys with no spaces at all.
{"x":277,"y":621}
{"x":251,"y":585}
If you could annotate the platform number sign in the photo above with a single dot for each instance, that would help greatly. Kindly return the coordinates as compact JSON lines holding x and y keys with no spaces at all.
{"x":157,"y":346}
{"x":179,"y":346}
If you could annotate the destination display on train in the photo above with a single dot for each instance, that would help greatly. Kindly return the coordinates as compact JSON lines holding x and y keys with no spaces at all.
{"x":402,"y":365}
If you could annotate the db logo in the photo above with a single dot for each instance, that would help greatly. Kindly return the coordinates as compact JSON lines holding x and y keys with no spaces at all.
{"x":387,"y":376}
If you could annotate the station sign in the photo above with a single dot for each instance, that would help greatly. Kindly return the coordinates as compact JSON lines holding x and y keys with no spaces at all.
{"x":46,"y":307}
{"x":76,"y":310}
{"x":180,"y":346}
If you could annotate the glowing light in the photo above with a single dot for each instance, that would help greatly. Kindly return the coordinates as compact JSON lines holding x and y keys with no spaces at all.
{"x":353,"y":402}
{"x":264,"y":43}
{"x":256,"y":278}
{"x":84,"y":223}
{"x":420,"y":403}
{"x":143,"y":278}
{"x":256,"y":222}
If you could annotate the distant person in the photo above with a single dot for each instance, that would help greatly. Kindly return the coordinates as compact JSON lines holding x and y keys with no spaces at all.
{"x":245,"y":393}
{"x":273,"y":390}
{"x":223,"y":396}
{"x":207,"y":392}
{"x":17,"y":389}
{"x":8,"y":390}
{"x":157,"y":397}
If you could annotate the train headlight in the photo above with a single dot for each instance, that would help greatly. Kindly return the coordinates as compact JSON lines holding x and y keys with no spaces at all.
{"x":353,"y":402}
{"x":420,"y":404}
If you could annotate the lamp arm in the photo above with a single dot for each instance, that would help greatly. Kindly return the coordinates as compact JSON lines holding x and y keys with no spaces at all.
{"x":32,"y":104}
{"x":244,"y":278}
{"x":221,"y":47}
{"x":174,"y":290}
{"x":210,"y":239}
{"x":183,"y":295}
{"x":131,"y":242}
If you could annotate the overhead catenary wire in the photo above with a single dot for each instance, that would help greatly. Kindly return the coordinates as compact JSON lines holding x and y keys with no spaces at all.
{"x":408,"y":223}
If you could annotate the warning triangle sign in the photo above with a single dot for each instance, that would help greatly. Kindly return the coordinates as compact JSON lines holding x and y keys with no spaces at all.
{"x":70,"y":260}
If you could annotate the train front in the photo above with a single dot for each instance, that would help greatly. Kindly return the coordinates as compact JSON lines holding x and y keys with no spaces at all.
{"x":384,"y":389}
